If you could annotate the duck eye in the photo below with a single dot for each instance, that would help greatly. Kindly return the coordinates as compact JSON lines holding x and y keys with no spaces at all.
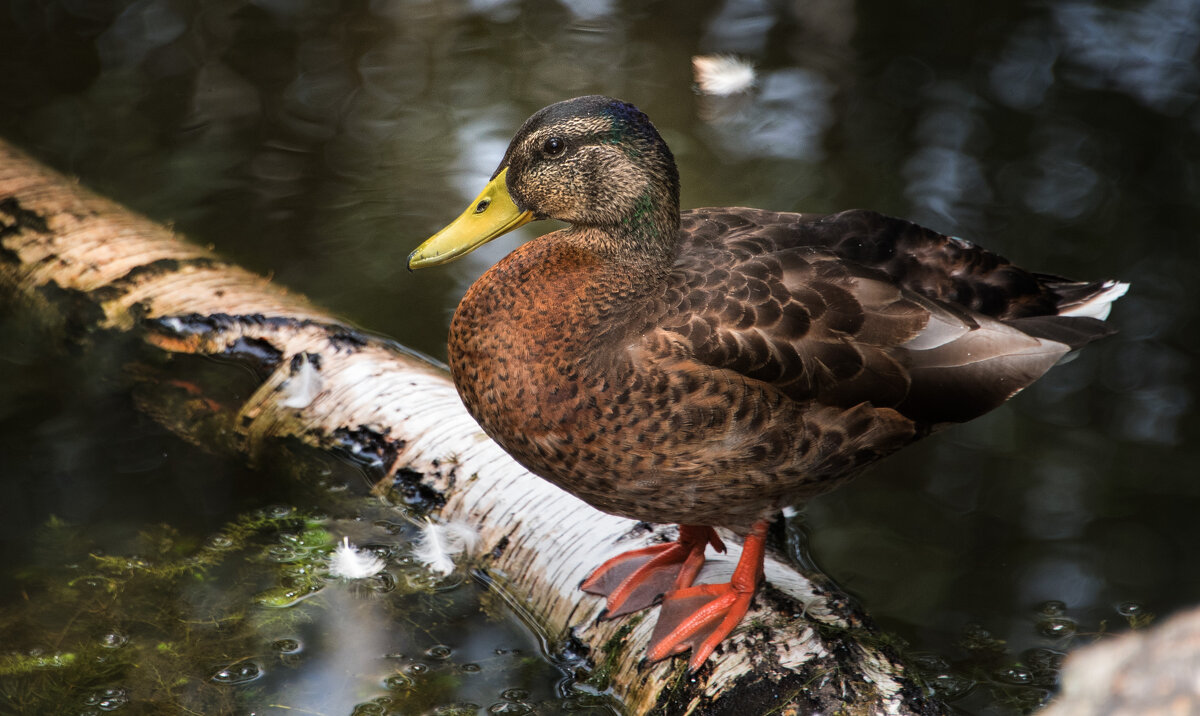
{"x":553,"y":146}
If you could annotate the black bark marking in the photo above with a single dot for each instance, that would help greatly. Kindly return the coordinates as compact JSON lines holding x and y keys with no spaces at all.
{"x":16,"y":219}
{"x":501,"y":546}
{"x":139,"y":274}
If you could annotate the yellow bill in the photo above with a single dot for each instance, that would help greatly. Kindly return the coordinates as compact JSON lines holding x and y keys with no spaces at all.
{"x":491,"y":214}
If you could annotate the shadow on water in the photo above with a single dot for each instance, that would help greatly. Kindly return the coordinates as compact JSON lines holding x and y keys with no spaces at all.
{"x":319,"y":142}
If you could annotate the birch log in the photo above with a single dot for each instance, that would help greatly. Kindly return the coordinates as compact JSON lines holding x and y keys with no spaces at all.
{"x":78,"y":260}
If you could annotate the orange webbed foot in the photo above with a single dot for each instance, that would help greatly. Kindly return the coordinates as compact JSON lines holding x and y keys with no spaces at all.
{"x":635,"y":579}
{"x":700,"y":617}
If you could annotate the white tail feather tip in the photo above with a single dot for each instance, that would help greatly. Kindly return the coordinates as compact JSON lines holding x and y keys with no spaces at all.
{"x":1099,"y":305}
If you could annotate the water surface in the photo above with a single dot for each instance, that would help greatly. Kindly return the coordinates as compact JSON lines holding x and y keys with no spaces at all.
{"x":320,"y":142}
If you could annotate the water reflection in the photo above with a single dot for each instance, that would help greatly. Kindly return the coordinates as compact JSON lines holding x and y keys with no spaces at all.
{"x":319,"y":142}
{"x":1155,"y":397}
{"x":740,"y":26}
{"x":786,"y":118}
{"x":1059,"y":504}
{"x":946,"y":181}
{"x":345,"y":664}
{"x":1147,"y":51}
{"x":1062,"y":576}
{"x":144,"y":26}
{"x":1061,"y":183}
{"x":1024,"y":71}
{"x":589,"y":9}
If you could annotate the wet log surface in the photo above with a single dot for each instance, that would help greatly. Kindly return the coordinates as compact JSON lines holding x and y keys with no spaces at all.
{"x":82,"y":264}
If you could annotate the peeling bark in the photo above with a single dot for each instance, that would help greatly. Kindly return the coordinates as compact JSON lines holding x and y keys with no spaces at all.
{"x":84,"y":264}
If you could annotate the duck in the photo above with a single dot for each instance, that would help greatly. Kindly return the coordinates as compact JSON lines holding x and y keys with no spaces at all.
{"x":710,"y":367}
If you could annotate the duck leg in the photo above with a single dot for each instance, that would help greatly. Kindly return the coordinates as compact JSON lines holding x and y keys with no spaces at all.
{"x":635,"y":579}
{"x":700,"y":617}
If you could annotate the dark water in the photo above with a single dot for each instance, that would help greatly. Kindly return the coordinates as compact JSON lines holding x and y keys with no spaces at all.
{"x":319,"y":142}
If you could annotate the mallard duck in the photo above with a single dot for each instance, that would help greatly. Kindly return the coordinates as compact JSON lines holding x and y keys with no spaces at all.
{"x":710,"y":367}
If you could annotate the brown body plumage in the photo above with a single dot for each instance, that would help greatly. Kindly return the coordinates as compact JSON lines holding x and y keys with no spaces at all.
{"x":773,"y":359}
{"x":711,"y":368}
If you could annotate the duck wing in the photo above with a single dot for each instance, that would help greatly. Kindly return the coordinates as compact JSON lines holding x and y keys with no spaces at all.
{"x":858,"y":307}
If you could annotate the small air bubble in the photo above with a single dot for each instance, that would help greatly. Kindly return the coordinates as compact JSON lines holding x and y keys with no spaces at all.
{"x":1130,"y":609}
{"x":114,"y":640}
{"x":514,"y":694}
{"x":439,"y":652}
{"x":381,"y":583}
{"x":930,"y":662}
{"x":109,"y":699}
{"x":1056,"y":628}
{"x":282,"y":553}
{"x":1045,"y":665}
{"x":951,"y":686}
{"x":1016,"y":675}
{"x":471,"y":668}
{"x":420,"y":581}
{"x":297,"y":572}
{"x":465,"y":708}
{"x":219,"y":541}
{"x":286,"y":646}
{"x":509,"y":708}
{"x":388,"y":527}
{"x":398,"y":682}
{"x":242,"y":673}
{"x":1052,"y":608}
{"x":283,"y":597}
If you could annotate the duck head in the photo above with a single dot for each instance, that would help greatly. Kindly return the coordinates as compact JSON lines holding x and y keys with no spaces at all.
{"x":594,"y":162}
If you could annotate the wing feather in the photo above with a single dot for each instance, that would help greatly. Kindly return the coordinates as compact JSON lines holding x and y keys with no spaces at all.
{"x":860,"y":308}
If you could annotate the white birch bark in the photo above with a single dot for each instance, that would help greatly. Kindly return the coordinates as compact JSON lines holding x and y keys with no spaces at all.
{"x":800,"y":649}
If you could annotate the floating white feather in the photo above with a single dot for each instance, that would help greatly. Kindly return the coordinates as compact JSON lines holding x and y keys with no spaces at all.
{"x":437,"y":545}
{"x":722,"y":75}
{"x":349,"y":562}
{"x":303,"y":385}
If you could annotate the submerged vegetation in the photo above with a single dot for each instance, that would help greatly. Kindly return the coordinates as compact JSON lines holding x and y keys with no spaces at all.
{"x":251,"y":618}
{"x":97,"y":628}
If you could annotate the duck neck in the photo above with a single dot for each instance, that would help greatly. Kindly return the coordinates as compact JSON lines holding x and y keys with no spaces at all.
{"x":644,"y":242}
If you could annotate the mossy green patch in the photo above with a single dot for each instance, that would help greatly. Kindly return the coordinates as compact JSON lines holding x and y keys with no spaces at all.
{"x":613,"y":651}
